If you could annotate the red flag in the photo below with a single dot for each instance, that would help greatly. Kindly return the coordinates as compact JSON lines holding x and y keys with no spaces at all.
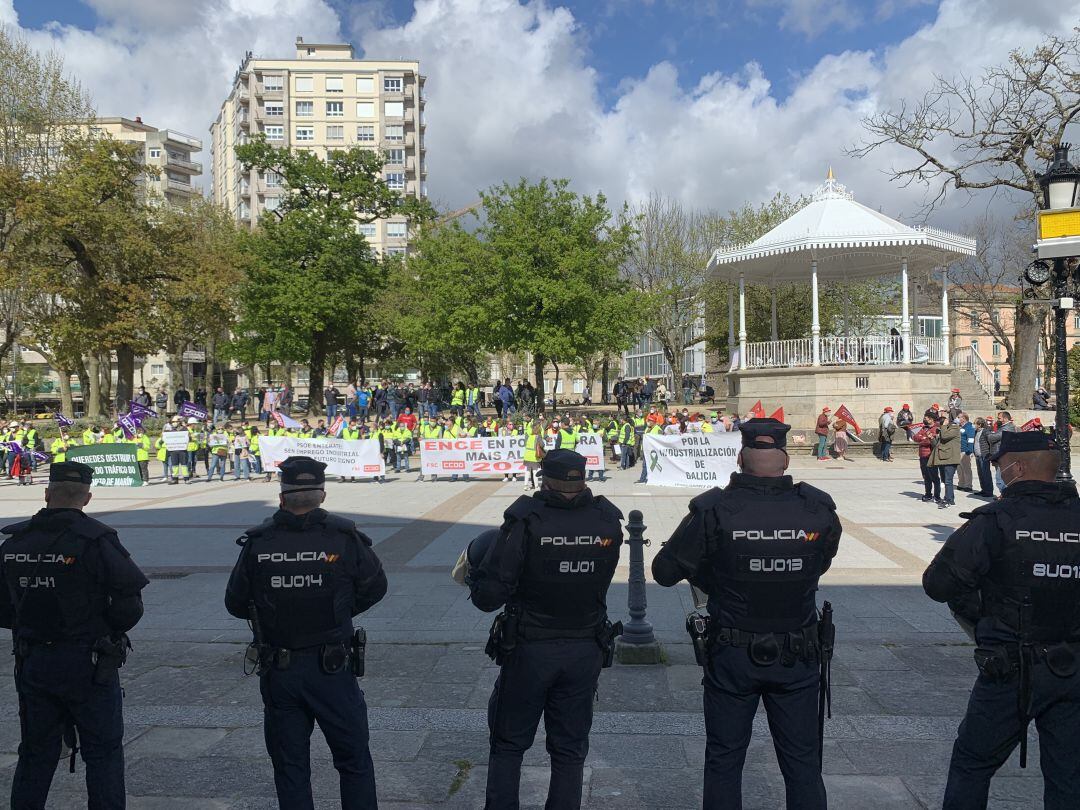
{"x":778,"y":414}
{"x":843,"y":413}
{"x":1031,"y":424}
{"x":757,"y":412}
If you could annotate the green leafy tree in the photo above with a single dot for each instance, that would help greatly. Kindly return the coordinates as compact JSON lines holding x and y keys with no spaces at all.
{"x":311,"y":271}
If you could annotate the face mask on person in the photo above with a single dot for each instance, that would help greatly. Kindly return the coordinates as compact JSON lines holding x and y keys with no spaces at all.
{"x":1001,"y":472}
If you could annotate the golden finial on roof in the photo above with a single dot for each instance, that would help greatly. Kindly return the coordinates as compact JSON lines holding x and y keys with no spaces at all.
{"x":830,"y":177}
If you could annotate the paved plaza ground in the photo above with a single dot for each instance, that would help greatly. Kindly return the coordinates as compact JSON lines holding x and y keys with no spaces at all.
{"x":901,"y":676}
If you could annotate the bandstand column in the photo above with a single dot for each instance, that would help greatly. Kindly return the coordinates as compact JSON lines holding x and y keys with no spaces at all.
{"x":945,"y":314}
{"x":731,"y":318}
{"x":815,"y":327}
{"x":742,"y":321}
{"x":775,"y":325}
{"x":905,"y":315}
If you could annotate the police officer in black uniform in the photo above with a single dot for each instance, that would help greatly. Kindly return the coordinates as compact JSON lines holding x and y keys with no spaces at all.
{"x":300,"y":579}
{"x":550,"y":567}
{"x":1011,"y":575}
{"x":757,"y":548}
{"x":70,"y":592}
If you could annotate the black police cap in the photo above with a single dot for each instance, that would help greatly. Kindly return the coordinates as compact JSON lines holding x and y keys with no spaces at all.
{"x":764,"y":434}
{"x":563,"y":465}
{"x":299,"y":473}
{"x":73,"y":472}
{"x":1027,"y":441}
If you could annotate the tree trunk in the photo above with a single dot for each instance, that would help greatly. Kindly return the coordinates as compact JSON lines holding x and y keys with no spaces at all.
{"x":539,"y":361}
{"x":361,"y":373}
{"x":351,"y":367}
{"x":84,"y":382}
{"x":555,"y":384}
{"x":1030,"y":322}
{"x":125,"y":377}
{"x":67,"y":403}
{"x":316,"y":370}
{"x":104,"y":382}
{"x":604,"y":381}
{"x":92,"y":387}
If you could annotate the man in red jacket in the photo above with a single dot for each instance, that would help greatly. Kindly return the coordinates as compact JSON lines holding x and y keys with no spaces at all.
{"x":822,"y":431}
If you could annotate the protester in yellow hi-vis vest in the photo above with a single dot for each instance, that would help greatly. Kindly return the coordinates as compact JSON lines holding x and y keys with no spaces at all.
{"x":142,"y":453}
{"x":534,"y":452}
{"x":162,"y":456}
{"x":59,"y":447}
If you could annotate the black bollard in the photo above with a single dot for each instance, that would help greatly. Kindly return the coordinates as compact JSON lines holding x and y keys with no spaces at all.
{"x":637,"y":644}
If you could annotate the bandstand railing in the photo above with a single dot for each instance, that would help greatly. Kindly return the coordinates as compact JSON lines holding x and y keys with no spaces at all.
{"x":855,"y":350}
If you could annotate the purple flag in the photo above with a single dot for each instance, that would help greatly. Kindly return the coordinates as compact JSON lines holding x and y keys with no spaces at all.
{"x":38,"y":455}
{"x":128,"y":424}
{"x":13,"y":447}
{"x":63,"y":421}
{"x":189,"y":409}
{"x":141,"y":412}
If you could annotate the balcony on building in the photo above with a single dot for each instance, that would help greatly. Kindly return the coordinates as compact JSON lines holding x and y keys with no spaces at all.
{"x":177,"y":161}
{"x":174,"y":186}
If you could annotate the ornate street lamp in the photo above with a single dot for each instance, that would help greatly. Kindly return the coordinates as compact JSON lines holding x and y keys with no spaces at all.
{"x":1059,"y":226}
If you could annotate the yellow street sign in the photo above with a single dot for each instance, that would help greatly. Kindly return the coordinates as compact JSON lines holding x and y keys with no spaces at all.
{"x":1057,"y":224}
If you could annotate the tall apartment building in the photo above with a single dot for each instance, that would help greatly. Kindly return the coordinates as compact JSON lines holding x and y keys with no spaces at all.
{"x":167,"y":150}
{"x":320,"y":100}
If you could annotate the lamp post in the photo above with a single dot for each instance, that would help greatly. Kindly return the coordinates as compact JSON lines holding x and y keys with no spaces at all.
{"x":1059,"y":240}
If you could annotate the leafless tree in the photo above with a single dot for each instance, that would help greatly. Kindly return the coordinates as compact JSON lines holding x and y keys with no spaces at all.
{"x":995,"y":132}
{"x":667,"y":264}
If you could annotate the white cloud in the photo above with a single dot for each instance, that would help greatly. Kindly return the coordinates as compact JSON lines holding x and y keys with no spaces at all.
{"x":511,"y":92}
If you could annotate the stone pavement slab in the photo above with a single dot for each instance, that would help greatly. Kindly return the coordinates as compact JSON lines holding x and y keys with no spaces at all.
{"x":902,"y":671}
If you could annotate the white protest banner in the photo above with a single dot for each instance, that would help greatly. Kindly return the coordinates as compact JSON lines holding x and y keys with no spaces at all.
{"x":691,"y":459}
{"x":356,"y":458}
{"x":481,"y":456}
{"x":175,"y":439}
{"x":476,"y":456}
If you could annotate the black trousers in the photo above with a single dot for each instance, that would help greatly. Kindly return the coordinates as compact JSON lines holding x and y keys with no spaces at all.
{"x":293,"y":700}
{"x":733,"y":687}
{"x":555,"y":680}
{"x":931,"y":478}
{"x":990,"y":731}
{"x":56,"y":687}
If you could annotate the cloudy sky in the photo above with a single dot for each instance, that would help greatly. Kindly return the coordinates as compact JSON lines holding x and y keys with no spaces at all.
{"x":715,"y":102}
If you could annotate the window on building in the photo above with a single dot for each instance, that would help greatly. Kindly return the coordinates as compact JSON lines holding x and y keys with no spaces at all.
{"x":394,"y":109}
{"x":304,"y":84}
{"x":1076,"y":321}
{"x":392,"y":85}
{"x":975,"y":346}
{"x":365,"y":109}
{"x":995,"y":349}
{"x":394,"y":250}
{"x":157,"y":368}
{"x":274,"y":109}
{"x":305,"y":133}
{"x":153,"y":153}
{"x":272,"y":203}
{"x":335,"y":109}
{"x":273,"y":82}
{"x":366,"y":229}
{"x":365,"y":133}
{"x":395,"y":180}
{"x":973,"y":320}
{"x":365,"y":84}
{"x":274,"y":133}
{"x":395,"y":230}
{"x":335,"y":84}
{"x":273,"y":180}
{"x":395,"y":157}
{"x":335,"y":133}
{"x":305,"y":108}
{"x":394,"y":132}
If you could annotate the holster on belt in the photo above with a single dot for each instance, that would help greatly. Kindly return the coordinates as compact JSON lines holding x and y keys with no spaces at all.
{"x":606,"y":634}
{"x":357,"y":651}
{"x":503,"y":636}
{"x":697,"y":626}
{"x":109,"y":653}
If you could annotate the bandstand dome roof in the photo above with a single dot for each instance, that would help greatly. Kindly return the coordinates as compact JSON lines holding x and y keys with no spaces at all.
{"x":847,"y":239}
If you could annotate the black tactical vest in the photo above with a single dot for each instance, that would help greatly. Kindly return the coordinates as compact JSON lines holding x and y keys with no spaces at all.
{"x":52,"y":571}
{"x":570,"y":559}
{"x":302,"y":589}
{"x":765,"y":557}
{"x":1039,"y":561}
